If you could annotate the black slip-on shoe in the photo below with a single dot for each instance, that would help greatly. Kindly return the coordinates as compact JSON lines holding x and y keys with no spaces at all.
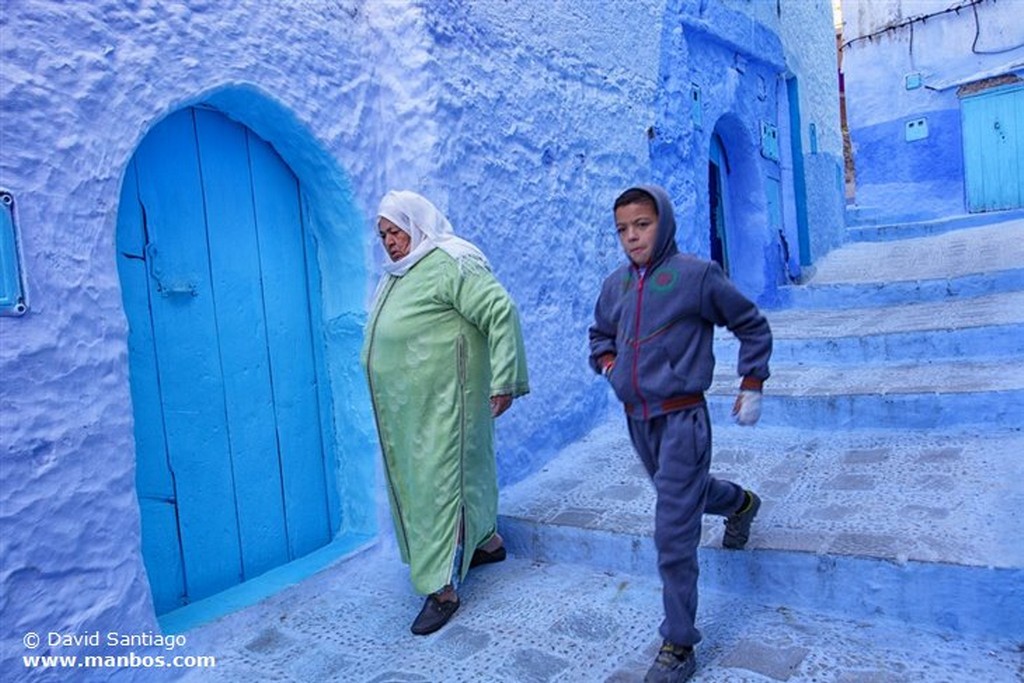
{"x":481,"y":556}
{"x":434,"y":615}
{"x":737,"y":525}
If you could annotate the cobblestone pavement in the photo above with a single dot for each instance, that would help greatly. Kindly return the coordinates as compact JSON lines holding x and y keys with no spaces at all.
{"x":522,"y":621}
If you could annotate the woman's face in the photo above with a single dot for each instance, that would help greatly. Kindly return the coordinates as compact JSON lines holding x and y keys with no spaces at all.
{"x":396,"y":241}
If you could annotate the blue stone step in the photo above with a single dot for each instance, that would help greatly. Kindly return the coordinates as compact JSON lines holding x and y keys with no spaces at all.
{"x":963,"y":263}
{"x":862,"y":524}
{"x":850,"y":295}
{"x":984,"y":326}
{"x":874,"y":229}
{"x":910,"y":395}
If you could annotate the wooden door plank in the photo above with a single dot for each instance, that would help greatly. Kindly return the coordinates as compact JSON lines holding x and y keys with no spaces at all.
{"x":1018,"y":127}
{"x":278,"y":221}
{"x":191,"y":379}
{"x":235,"y":269}
{"x":161,"y":547}
{"x":1010,"y":140}
{"x":162,"y":554}
{"x":152,"y":473}
{"x":973,"y":162}
{"x":1001,"y":153}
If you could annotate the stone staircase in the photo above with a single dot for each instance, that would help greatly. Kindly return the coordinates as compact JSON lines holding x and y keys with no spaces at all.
{"x":890,"y":455}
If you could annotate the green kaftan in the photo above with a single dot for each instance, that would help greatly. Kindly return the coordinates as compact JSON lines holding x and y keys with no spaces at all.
{"x":440,"y":342}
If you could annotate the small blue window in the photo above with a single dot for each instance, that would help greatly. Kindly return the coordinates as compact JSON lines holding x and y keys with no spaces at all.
{"x":12,"y":294}
{"x":916,"y":129}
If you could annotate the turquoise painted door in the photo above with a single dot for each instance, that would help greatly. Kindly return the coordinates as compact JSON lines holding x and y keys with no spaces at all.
{"x":993,"y":133}
{"x":217,"y":274}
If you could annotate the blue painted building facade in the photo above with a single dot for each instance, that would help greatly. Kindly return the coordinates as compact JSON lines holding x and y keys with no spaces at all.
{"x":193,"y":203}
{"x":935,"y":93}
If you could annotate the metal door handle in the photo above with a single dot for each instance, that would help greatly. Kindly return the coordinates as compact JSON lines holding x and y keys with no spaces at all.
{"x":165,"y":288}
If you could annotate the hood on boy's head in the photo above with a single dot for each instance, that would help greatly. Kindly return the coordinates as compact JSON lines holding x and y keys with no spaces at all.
{"x":666,"y":243}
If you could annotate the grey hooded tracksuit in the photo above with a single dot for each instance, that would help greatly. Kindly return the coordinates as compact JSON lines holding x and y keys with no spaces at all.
{"x":659,"y":326}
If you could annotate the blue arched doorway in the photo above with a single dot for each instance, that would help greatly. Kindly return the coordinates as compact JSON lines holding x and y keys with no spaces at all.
{"x":235,"y":474}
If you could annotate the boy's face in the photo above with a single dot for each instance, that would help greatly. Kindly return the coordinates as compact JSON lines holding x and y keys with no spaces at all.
{"x":637,"y":225}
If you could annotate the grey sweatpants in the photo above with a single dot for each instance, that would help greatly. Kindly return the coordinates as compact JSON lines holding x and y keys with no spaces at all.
{"x":676,"y":450}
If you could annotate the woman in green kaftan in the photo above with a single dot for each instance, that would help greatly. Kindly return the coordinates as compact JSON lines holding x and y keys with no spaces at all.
{"x":444,"y":356}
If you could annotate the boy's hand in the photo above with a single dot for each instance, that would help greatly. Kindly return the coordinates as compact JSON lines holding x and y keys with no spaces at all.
{"x":500,"y":403}
{"x":747,"y":408}
{"x":607,"y":362}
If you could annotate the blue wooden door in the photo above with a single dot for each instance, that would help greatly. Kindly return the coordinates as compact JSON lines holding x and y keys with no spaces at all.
{"x":993,"y":134}
{"x":219,"y":283}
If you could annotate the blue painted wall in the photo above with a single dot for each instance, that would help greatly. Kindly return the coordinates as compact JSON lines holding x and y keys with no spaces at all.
{"x":740,"y":56}
{"x":522,"y":120}
{"x":947,"y":57}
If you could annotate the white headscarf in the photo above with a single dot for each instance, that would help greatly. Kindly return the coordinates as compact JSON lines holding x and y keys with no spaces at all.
{"x":428,"y":228}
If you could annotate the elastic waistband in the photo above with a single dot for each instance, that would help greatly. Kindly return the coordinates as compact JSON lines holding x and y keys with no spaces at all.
{"x":669,"y":405}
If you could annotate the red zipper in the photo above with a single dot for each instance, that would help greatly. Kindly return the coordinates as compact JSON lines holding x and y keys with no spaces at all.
{"x":636,"y":341}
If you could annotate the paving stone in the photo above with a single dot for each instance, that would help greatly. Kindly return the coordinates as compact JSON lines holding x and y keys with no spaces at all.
{"x":533,"y":666}
{"x":268,"y":641}
{"x":778,"y":663}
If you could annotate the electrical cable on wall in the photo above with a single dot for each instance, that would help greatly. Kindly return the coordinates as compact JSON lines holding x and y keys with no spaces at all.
{"x":977,"y":35}
{"x":912,"y":20}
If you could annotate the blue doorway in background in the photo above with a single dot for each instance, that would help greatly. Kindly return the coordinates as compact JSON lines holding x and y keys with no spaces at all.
{"x":993,"y":138}
{"x":220,"y":288}
{"x":718,"y":172}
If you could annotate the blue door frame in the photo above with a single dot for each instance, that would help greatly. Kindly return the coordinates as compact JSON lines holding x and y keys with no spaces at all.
{"x":799,"y":175}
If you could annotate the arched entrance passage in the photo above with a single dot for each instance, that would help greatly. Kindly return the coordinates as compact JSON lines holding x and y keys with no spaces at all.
{"x":718,"y":193}
{"x":737,"y":217}
{"x":235,"y":473}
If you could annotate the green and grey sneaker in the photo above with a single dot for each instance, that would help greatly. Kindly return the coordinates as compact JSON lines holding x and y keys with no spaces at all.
{"x":737,"y":525}
{"x":674,"y":664}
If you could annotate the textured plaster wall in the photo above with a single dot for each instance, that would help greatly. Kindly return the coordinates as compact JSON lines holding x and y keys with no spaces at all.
{"x":811,"y":55}
{"x":522,"y":120}
{"x":524,"y":133}
{"x":740,"y":55}
{"x":336,"y":88}
{"x":921,"y":178}
{"x":544,"y":115}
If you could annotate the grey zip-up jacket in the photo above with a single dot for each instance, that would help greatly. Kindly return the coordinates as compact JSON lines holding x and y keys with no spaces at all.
{"x":659,"y":326}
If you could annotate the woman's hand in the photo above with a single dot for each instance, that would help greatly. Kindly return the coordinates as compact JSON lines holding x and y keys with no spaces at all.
{"x":499,"y":404}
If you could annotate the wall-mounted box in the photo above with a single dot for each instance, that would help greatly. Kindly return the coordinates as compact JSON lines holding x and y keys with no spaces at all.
{"x":769,"y":141}
{"x":913,"y":81}
{"x":916,"y":129}
{"x":12,"y":289}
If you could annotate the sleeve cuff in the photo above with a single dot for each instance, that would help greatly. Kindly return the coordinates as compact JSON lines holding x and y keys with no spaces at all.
{"x":751,"y":384}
